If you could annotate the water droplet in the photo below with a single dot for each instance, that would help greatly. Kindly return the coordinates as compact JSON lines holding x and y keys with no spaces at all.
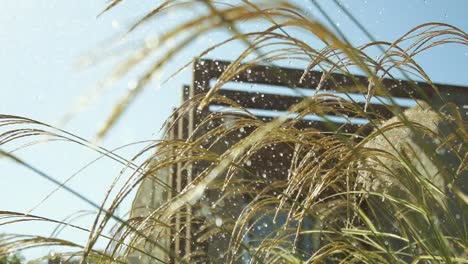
{"x":218,"y":222}
{"x":151,"y":42}
{"x":115,"y":24}
{"x":132,"y":84}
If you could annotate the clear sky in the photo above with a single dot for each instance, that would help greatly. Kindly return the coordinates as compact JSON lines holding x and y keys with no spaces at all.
{"x":41,"y":40}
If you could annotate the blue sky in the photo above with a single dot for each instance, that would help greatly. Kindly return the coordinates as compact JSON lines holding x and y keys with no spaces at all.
{"x":41,"y":41}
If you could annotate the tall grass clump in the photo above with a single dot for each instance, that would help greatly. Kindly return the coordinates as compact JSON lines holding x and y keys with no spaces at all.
{"x":392,"y":191}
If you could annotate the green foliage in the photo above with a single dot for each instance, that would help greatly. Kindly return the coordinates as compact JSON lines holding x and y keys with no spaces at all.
{"x":11,"y":259}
